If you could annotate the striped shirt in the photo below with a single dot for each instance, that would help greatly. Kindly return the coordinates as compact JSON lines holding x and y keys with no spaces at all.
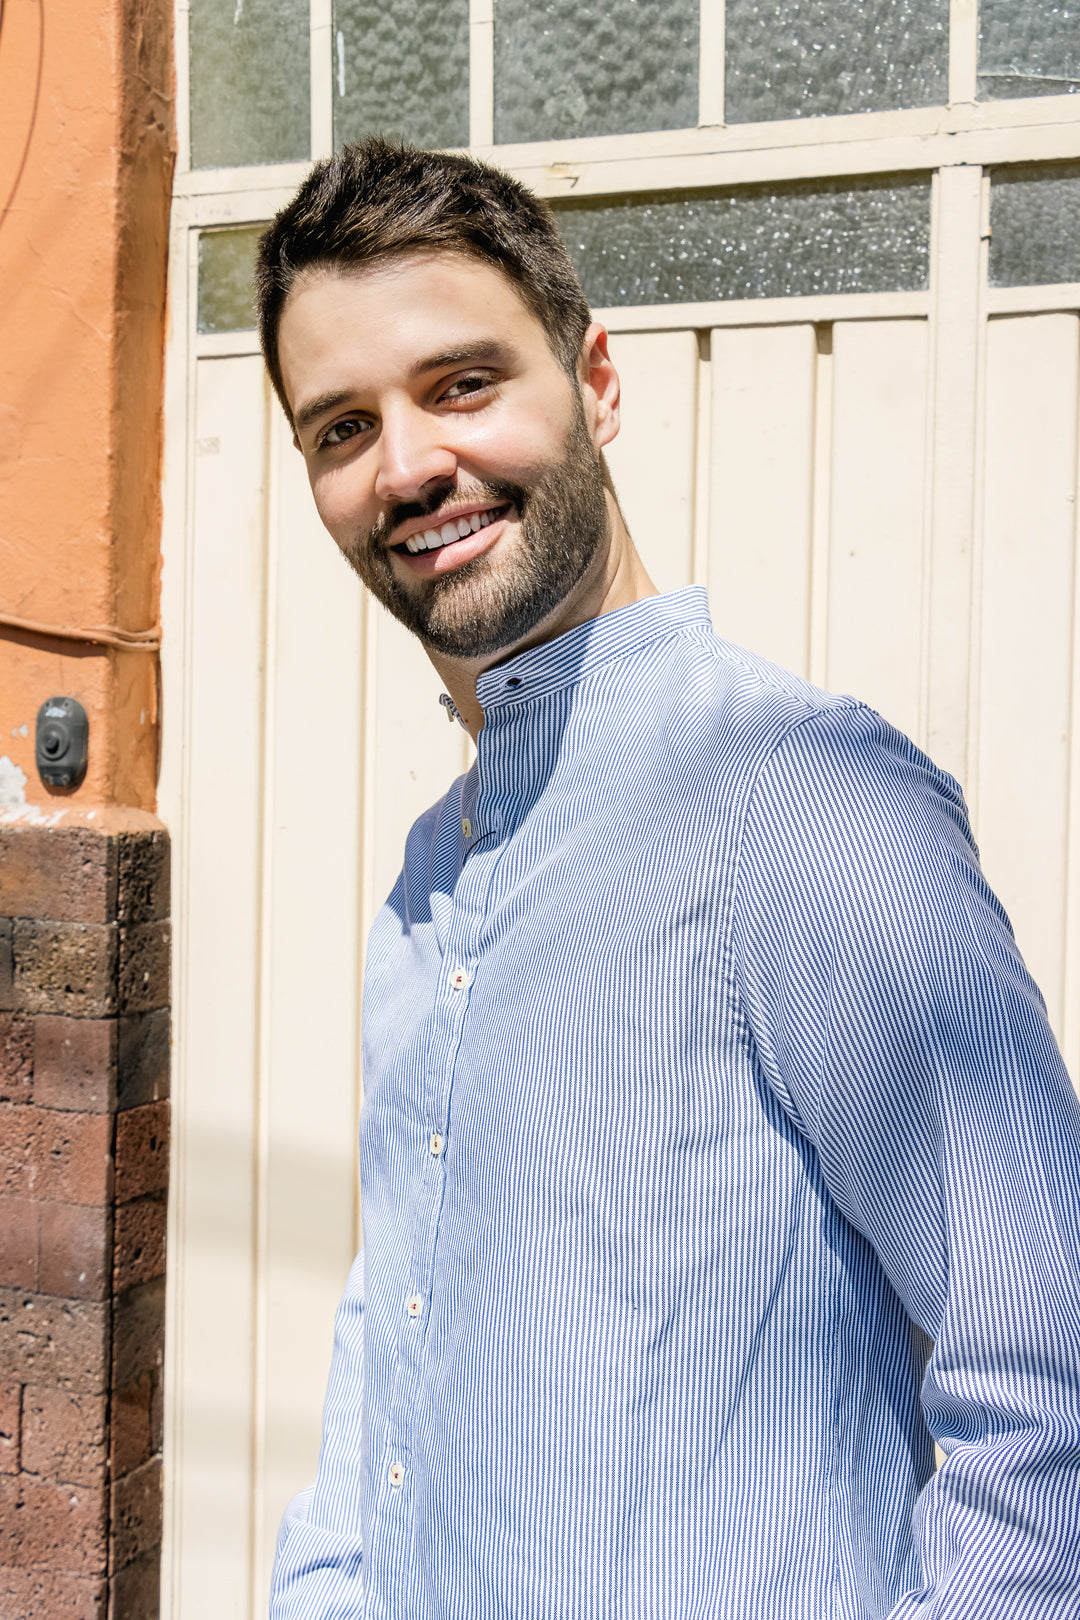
{"x":716,"y":1155}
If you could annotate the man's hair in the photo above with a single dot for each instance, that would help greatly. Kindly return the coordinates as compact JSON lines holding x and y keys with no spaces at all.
{"x":375,"y":201}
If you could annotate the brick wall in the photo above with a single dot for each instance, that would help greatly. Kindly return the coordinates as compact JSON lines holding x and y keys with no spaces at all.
{"x":84,"y":1058}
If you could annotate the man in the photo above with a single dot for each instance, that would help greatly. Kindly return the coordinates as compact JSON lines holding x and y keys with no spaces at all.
{"x":716,"y":1154}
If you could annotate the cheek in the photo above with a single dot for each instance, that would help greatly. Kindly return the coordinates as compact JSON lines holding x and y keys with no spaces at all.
{"x":342,"y":502}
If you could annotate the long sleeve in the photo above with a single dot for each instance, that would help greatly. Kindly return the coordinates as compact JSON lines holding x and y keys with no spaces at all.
{"x":318,"y":1565}
{"x":892,"y":1016}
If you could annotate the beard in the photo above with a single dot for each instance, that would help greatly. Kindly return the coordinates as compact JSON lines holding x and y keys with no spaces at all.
{"x":488,"y":604}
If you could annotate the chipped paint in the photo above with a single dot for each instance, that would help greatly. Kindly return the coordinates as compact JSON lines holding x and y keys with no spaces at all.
{"x":21,"y":731}
{"x":13,"y":802}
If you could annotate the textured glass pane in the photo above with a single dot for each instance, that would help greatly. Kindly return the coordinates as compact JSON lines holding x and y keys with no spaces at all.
{"x":1035,"y":227}
{"x":808,"y":58}
{"x":599,"y":68}
{"x":226,"y":262}
{"x":1028,"y":48}
{"x":757,"y":242}
{"x":401,"y":68}
{"x":250,"y":82}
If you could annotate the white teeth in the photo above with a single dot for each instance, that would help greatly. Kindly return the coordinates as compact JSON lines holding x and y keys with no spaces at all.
{"x":453,"y":529}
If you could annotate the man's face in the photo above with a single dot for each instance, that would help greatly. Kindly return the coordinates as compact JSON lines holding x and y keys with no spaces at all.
{"x":449,"y":453}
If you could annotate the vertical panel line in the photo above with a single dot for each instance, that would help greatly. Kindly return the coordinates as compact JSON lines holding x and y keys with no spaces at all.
{"x":321,"y":24}
{"x":1071,"y":975}
{"x":702,"y":491}
{"x":821,"y":510}
{"x":481,"y":73}
{"x":978,"y":521}
{"x":368,"y":786}
{"x":180,"y":839}
{"x":263,"y":968}
{"x":711,"y":25}
{"x":963,"y":50}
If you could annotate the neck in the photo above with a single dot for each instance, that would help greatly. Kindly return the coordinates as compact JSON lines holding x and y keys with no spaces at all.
{"x":615,"y":578}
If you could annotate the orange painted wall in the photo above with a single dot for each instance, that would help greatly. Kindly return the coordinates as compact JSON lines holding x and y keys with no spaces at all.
{"x":86,"y":109}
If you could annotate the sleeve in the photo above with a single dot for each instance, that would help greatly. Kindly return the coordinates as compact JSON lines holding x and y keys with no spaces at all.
{"x":318,"y":1571}
{"x":894,"y":1019}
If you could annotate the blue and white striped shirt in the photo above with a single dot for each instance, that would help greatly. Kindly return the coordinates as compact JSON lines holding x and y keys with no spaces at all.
{"x":716,"y":1154}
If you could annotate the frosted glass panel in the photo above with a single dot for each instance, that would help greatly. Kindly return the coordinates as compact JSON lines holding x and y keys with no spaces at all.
{"x":250,"y":82}
{"x":1028,"y":48}
{"x":599,"y":68}
{"x":226,"y":262}
{"x":401,"y":68}
{"x":1035,"y":227}
{"x":805,"y":58}
{"x":757,"y":242}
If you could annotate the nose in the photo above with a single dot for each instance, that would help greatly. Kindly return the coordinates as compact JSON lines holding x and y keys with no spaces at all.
{"x":412,"y":454}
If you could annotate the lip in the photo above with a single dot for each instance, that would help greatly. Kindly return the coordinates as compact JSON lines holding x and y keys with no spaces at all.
{"x":437,"y":519}
{"x":429,"y":564}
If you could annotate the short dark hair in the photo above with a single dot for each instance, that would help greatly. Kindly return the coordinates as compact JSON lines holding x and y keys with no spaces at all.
{"x":376,"y":200}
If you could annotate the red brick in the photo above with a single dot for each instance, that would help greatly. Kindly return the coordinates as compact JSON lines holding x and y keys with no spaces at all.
{"x":142,"y":1151}
{"x":10,"y":1408}
{"x":35,"y":1594}
{"x":157,"y":1413}
{"x":142,"y":891}
{"x":7,"y":964}
{"x":143,"y":967}
{"x":16,"y":1057}
{"x":75,"y":1250}
{"x":64,"y":1435}
{"x":143,"y":1057}
{"x":19,"y":1241}
{"x":135,"y":1521}
{"x":47,"y":1154}
{"x":55,"y":1341}
{"x":139,"y":1241}
{"x":66,"y":967}
{"x":135,"y":1593}
{"x":138,"y":1332}
{"x":60,"y":1526}
{"x":75,"y":1063}
{"x":132,"y":1411}
{"x":65,"y":873}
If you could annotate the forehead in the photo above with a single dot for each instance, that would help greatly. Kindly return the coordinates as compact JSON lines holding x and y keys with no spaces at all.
{"x":377,"y":321}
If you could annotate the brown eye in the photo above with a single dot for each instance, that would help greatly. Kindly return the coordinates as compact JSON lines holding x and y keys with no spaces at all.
{"x":341,"y":431}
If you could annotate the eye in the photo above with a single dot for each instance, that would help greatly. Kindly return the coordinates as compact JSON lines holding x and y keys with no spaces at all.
{"x":466,"y":387}
{"x":350,"y":427}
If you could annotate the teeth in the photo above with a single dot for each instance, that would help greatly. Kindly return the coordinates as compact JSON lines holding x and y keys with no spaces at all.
{"x":453,"y":529}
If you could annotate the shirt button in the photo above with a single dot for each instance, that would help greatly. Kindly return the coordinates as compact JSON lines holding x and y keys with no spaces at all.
{"x":466,"y":827}
{"x":435,"y":1144}
{"x":460,"y":979}
{"x":395,"y":1474}
{"x":414,"y":1305}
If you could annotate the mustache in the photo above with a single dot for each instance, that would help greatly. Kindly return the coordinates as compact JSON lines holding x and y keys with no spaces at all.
{"x":496,"y":492}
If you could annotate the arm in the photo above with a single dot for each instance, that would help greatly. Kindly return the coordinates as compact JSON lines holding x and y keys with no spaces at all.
{"x":317,"y":1567}
{"x":894,"y":1019}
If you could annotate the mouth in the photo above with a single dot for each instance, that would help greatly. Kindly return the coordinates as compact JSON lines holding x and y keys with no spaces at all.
{"x":450,"y":532}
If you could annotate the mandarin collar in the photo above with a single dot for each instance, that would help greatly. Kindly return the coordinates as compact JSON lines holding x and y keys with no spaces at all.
{"x":568,"y":658}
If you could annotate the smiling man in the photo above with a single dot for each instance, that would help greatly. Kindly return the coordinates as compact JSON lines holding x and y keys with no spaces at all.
{"x":716,"y":1155}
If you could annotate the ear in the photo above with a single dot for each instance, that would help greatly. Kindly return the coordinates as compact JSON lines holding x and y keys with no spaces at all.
{"x":599,"y":386}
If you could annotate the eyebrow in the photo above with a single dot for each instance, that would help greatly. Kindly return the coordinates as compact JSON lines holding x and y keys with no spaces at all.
{"x":319,"y":406}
